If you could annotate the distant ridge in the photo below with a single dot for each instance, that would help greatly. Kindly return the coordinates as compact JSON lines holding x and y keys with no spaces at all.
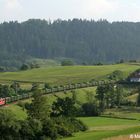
{"x":80,"y":40}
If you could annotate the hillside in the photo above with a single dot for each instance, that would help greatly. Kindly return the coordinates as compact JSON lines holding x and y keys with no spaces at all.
{"x":120,"y":121}
{"x":80,"y":40}
{"x":68,"y":74}
{"x":98,"y":127}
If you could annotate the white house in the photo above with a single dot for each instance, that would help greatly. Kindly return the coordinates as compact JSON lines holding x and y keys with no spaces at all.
{"x":135,"y":77}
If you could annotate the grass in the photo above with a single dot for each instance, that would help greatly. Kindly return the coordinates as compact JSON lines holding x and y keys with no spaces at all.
{"x":69,"y":74}
{"x":100,"y":128}
{"x":100,"y":135}
{"x":19,"y":113}
{"x":103,"y":121}
{"x":130,"y":113}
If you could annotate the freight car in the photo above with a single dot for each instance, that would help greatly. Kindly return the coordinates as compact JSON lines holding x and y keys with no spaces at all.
{"x":2,"y":101}
{"x":11,"y":99}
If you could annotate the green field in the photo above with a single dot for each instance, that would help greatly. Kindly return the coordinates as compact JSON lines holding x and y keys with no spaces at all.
{"x":101,"y":128}
{"x":125,"y":112}
{"x":69,"y":74}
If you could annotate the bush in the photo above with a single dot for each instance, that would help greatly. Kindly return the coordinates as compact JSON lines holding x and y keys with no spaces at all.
{"x":21,"y":104}
{"x":6,"y":91}
{"x":90,"y":109}
{"x":24,"y":67}
{"x":33,"y":65}
{"x":127,"y":103}
{"x":121,"y":61}
{"x":31,"y":129}
{"x":35,"y":86}
{"x":99,"y":64}
{"x":64,"y":107}
{"x":9,"y":125}
{"x":63,"y":129}
{"x":67,"y":63}
{"x":2,"y":69}
{"x":67,"y":126}
{"x":132,"y":61}
{"x":49,"y":129}
{"x":47,"y":86}
{"x":78,"y":125}
{"x":116,"y":75}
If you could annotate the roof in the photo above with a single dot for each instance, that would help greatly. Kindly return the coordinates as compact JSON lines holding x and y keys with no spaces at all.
{"x":135,"y":75}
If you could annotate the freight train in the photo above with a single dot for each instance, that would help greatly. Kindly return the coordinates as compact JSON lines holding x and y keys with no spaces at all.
{"x":7,"y":100}
{"x":2,"y":101}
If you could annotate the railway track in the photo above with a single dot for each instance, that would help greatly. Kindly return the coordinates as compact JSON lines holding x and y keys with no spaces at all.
{"x":14,"y":99}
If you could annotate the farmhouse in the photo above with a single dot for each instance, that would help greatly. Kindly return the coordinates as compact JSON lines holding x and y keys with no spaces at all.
{"x":135,"y":77}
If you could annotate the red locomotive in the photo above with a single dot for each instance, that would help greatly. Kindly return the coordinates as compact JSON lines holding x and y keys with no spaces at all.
{"x":2,"y":101}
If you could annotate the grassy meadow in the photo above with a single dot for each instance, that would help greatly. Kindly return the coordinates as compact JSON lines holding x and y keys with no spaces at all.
{"x":58,"y":75}
{"x":114,"y":122}
{"x":102,"y":128}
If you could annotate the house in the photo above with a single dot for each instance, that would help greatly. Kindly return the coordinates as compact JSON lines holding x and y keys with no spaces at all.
{"x":135,"y":77}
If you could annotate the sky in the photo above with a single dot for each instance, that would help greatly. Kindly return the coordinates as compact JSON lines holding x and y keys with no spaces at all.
{"x":112,"y":10}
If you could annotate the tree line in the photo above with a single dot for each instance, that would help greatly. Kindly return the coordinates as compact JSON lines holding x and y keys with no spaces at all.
{"x":84,"y":41}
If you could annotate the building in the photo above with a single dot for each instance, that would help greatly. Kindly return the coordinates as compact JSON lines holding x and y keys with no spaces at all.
{"x":135,"y":77}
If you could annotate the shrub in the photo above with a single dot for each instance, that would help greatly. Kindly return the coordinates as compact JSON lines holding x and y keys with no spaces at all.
{"x":64,"y":107}
{"x":31,"y":129}
{"x":98,"y":64}
{"x":21,"y":104}
{"x":116,"y":75}
{"x":35,"y":86}
{"x":9,"y":125}
{"x":78,"y":125}
{"x":34,"y":65}
{"x":66,"y":126}
{"x":25,"y":67}
{"x":49,"y":129}
{"x":2,"y":69}
{"x":90,"y":109}
{"x":127,"y":103}
{"x":47,"y":86}
{"x":67,"y":63}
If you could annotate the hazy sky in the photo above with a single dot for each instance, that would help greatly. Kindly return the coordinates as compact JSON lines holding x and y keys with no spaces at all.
{"x":112,"y":10}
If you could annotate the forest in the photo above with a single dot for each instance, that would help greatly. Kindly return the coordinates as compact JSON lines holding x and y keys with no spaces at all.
{"x":82,"y":41}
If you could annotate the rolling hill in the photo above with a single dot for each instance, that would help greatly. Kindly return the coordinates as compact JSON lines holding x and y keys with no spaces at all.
{"x":68,"y":74}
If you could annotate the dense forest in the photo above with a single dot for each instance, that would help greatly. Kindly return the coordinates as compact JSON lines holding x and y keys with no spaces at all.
{"x":83,"y":41}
